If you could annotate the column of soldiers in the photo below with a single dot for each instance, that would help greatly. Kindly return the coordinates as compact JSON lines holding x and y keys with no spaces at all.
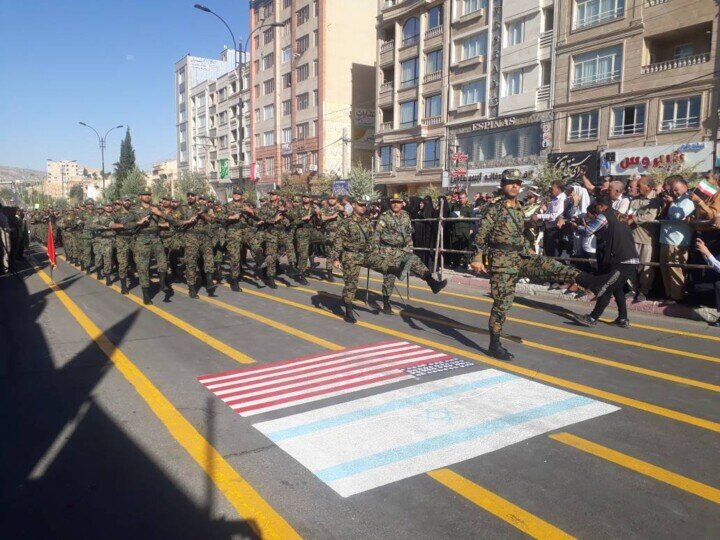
{"x":124,"y":238}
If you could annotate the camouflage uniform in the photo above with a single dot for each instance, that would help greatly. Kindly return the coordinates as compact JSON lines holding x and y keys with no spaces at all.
{"x":355,"y":244}
{"x":103,"y":241}
{"x":501,"y":237}
{"x":393,"y":233}
{"x":86,"y":237}
{"x":66,"y":224}
{"x":124,"y":241}
{"x":328,"y":231}
{"x":147,"y":244}
{"x":198,"y":242}
{"x":305,"y":233}
{"x":173,"y":239}
{"x":275,"y":235}
{"x":241,"y":235}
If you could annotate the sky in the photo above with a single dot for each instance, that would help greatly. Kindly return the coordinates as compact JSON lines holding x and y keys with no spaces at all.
{"x":102,"y":62}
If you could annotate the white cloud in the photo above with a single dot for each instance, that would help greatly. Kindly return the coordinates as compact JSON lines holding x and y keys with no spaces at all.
{"x":130,"y":57}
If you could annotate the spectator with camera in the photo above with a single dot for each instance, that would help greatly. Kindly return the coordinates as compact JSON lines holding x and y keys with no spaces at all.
{"x":644,"y":210}
{"x":675,"y":236}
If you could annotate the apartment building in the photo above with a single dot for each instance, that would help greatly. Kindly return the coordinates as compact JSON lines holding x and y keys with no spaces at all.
{"x":465,"y":79}
{"x":637,"y":83}
{"x":164,"y":171}
{"x":62,"y":175}
{"x":312,"y":87}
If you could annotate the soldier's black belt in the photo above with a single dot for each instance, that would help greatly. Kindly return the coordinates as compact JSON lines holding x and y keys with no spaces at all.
{"x":385,"y":244}
{"x":149,"y":233}
{"x":507,"y":247}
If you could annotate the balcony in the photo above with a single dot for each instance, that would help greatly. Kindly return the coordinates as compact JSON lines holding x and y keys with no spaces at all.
{"x":431,"y":77}
{"x":387,"y":46}
{"x":432,"y":120}
{"x":652,"y":3}
{"x":471,"y":17}
{"x":596,"y":79}
{"x":385,"y":127}
{"x":387,"y":53}
{"x":386,"y":87}
{"x":676,"y":63}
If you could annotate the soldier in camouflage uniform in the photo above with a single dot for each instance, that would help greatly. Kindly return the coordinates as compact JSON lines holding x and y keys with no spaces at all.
{"x":97,"y":244}
{"x":85,"y":218}
{"x":239,"y":218}
{"x":355,"y":244}
{"x":501,"y":238}
{"x":124,"y":240}
{"x":196,"y":220}
{"x":173,"y":238}
{"x":67,"y":224}
{"x":275,"y":223}
{"x":103,"y":227}
{"x":330,"y":217}
{"x":219,"y":240}
{"x":393,"y":233}
{"x":305,"y":217}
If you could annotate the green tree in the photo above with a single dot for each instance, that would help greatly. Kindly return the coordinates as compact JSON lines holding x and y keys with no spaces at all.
{"x":61,"y":203}
{"x":126,"y":164}
{"x":134,"y":182}
{"x":76,"y":194}
{"x":192,"y":181}
{"x":662,"y":171}
{"x":160,"y":187}
{"x":430,"y":190}
{"x":547,"y":173}
{"x":361,"y":183}
{"x":322,"y":184}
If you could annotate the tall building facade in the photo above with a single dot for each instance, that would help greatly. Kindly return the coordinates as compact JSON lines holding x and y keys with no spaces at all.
{"x":464,"y":90}
{"x":212,"y":114}
{"x":62,"y":175}
{"x":637,"y":83}
{"x":312,"y":88}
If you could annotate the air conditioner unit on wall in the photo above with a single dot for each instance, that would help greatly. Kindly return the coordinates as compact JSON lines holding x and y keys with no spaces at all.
{"x":312,"y":168}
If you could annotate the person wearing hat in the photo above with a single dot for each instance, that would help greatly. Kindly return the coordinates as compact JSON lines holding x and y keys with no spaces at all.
{"x":103,"y":242}
{"x":275,"y":223}
{"x":501,"y":239}
{"x":460,"y":230}
{"x":330,"y":217}
{"x":305,"y":218}
{"x":393,"y":235}
{"x":239,"y":219}
{"x":124,"y":237}
{"x":196,"y":219}
{"x":616,"y":251}
{"x":356,"y":247}
{"x":86,"y":236}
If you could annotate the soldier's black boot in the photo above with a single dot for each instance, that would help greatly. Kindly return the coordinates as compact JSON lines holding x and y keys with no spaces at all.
{"x":99,"y":274}
{"x":192,"y":291}
{"x":597,"y":284}
{"x":349,"y":316}
{"x":387,"y":308}
{"x":234,"y":285}
{"x":146,"y":296}
{"x":108,"y":281}
{"x":163,"y":282}
{"x":330,"y":276}
{"x":209,"y":285}
{"x":270,"y":282}
{"x":301,"y":279}
{"x":123,"y":286}
{"x":435,"y":284}
{"x":218,"y":272}
{"x":496,"y":350}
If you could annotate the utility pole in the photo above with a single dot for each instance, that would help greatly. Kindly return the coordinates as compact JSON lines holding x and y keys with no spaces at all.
{"x":101,"y":141}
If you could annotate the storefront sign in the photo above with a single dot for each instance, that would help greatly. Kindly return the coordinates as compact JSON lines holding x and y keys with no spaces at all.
{"x":639,"y":160}
{"x":493,"y":124}
{"x":459,"y":156}
{"x":574,"y":160}
{"x":489,"y":177}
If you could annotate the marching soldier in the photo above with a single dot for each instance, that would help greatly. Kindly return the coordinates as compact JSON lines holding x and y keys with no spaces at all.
{"x":354,"y":246}
{"x":330,"y":217}
{"x":240,"y":218}
{"x":501,"y":238}
{"x":197,"y":235}
{"x":85,"y":218}
{"x":124,"y":236}
{"x":394,"y":236}
{"x":274,"y":224}
{"x":104,"y":234}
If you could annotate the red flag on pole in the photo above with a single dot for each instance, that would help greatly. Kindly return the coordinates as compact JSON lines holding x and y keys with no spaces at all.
{"x":51,"y":245}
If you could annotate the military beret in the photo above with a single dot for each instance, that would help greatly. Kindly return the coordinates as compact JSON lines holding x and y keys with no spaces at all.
{"x":510,"y":176}
{"x":237,"y":191}
{"x":190,"y":193}
{"x":89,"y":201}
{"x":144,"y":191}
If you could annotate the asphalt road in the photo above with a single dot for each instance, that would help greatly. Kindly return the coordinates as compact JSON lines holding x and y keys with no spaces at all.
{"x":106,"y":431}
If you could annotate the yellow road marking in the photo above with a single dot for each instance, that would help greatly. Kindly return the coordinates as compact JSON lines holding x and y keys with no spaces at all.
{"x":643,"y":467}
{"x":554,"y":328}
{"x":248,"y":502}
{"x":635,"y":325}
{"x":530,"y":373}
{"x":186,"y":327}
{"x":517,"y":517}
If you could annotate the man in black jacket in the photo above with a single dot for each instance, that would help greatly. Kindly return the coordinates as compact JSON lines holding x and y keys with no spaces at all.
{"x":615,"y":251}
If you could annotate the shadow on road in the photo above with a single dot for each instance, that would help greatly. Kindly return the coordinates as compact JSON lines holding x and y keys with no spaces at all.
{"x":67,"y":468}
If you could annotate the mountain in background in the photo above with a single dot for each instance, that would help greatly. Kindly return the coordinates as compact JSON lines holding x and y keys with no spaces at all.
{"x":17,"y":174}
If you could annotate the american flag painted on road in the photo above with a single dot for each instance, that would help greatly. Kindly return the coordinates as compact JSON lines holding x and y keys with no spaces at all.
{"x":285,"y":383}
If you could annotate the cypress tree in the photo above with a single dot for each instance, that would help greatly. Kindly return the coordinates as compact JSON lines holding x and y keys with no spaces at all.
{"x":126,"y":164}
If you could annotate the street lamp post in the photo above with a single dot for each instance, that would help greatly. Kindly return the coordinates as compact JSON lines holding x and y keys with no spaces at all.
{"x":101,"y":142}
{"x":238,"y":67}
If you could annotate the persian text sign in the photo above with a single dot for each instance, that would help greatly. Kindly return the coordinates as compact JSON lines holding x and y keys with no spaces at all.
{"x":639,"y":160}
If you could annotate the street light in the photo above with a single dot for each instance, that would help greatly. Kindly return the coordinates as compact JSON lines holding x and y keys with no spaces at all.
{"x":239,"y":64}
{"x":101,"y":142}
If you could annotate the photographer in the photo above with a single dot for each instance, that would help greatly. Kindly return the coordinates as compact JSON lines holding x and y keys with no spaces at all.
{"x":644,"y":209}
{"x":675,"y":236}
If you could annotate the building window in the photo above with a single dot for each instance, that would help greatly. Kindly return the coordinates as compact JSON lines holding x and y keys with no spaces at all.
{"x":410,"y":32}
{"x":433,"y":106}
{"x":201,"y":122}
{"x":472,"y":92}
{"x":269,"y":86}
{"x":303,"y":15}
{"x":303,"y":101}
{"x":435,"y":17}
{"x":287,"y":80}
{"x":286,"y":107}
{"x":628,"y":120}
{"x":409,"y":73}
{"x":286,"y":135}
{"x":223,"y":142}
{"x":583,"y":126}
{"x":684,"y":51}
{"x":223,"y":118}
{"x":303,"y":72}
{"x":315,"y":68}
{"x":473,"y":46}
{"x":286,"y":54}
{"x":431,"y":153}
{"x":408,"y":155}
{"x":683,"y":113}
{"x":269,"y":138}
{"x":515,"y":32}
{"x":434,"y":61}
{"x":302,"y":44}
{"x":303,"y":130}
{"x":268,"y":35}
{"x":471,"y":6}
{"x":257,"y":115}
{"x":286,"y":162}
{"x":270,"y":166}
{"x":269,"y":112}
{"x":268,"y":61}
{"x":256,"y":42}
{"x":257,"y":141}
{"x":287,"y":4}
{"x":592,"y":12}
{"x":513,"y":82}
{"x":597,"y":67}
{"x":408,"y":114}
{"x":286,"y":28}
